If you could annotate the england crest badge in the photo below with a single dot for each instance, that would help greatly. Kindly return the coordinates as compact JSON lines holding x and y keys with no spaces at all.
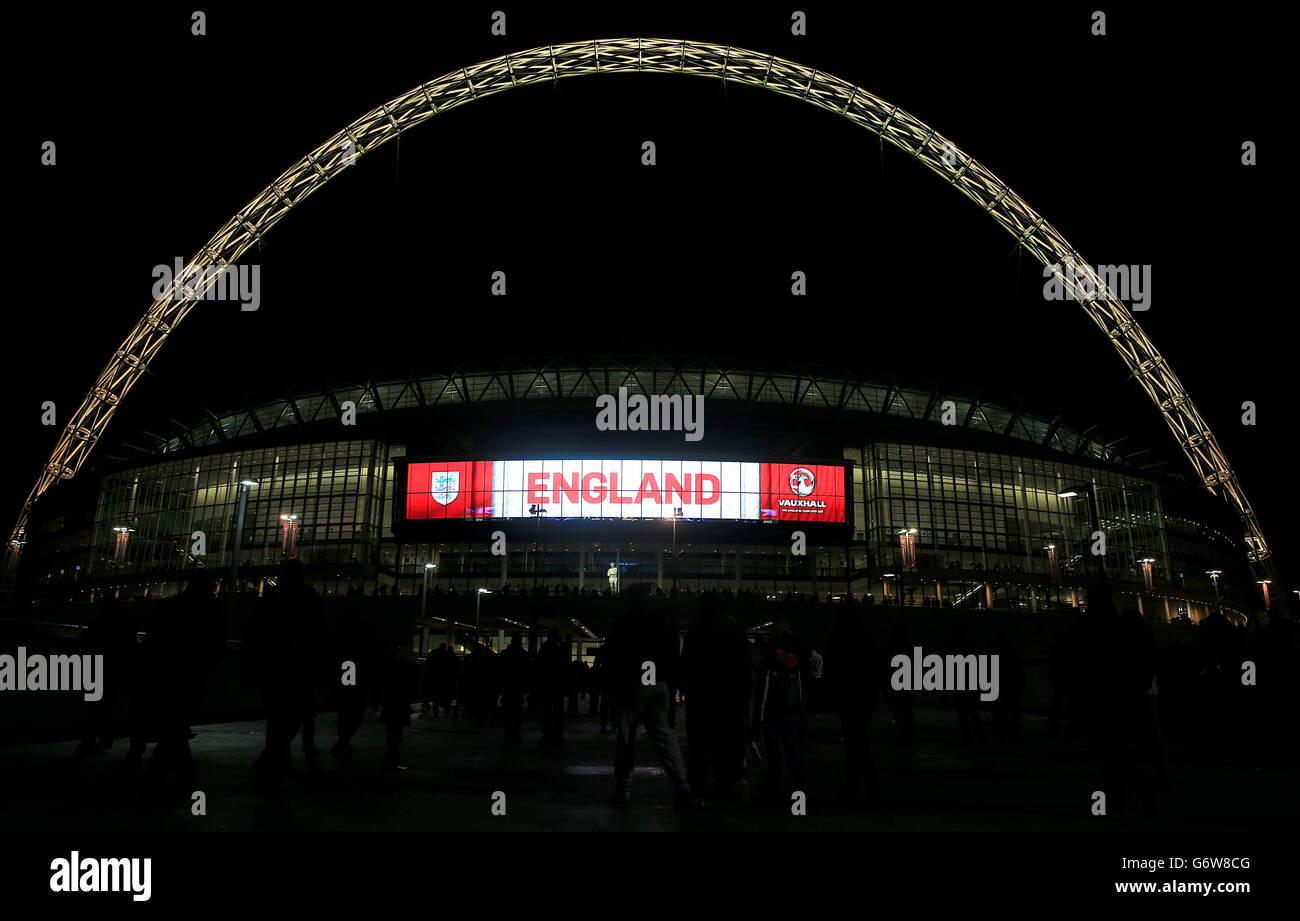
{"x":446,"y":486}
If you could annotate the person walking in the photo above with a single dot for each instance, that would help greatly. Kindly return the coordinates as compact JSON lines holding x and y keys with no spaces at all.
{"x":553,"y":675}
{"x":642,"y":659}
{"x":514,"y":679}
{"x":715,"y":680}
{"x":781,"y":714}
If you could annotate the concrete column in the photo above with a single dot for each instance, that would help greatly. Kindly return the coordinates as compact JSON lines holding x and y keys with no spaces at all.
{"x":582,"y":565}
{"x":659,"y":559}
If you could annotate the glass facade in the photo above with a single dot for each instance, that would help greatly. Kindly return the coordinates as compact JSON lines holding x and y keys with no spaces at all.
{"x":953,"y":526}
{"x":322,"y":503}
{"x":929,"y":525}
{"x":973,"y":510}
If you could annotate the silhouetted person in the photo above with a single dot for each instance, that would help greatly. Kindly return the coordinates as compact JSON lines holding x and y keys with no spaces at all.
{"x":854,"y":676}
{"x":577,"y":684}
{"x":642,"y":646}
{"x":552,"y":677}
{"x":435,"y":664}
{"x":112,"y":634}
{"x":514,"y":679}
{"x":1011,"y":686}
{"x":288,"y":665}
{"x":480,"y":683}
{"x":753,"y":712}
{"x":400,"y":687}
{"x":606,"y":694}
{"x":782,"y":710}
{"x":967,"y":701}
{"x":816,"y":666}
{"x":354,"y":642}
{"x":1118,"y":671}
{"x":671,"y":618}
{"x":1274,"y":647}
{"x":598,"y":701}
{"x":901,"y":702}
{"x":181,"y":653}
{"x":715,"y":680}
{"x":1220,"y":647}
{"x":447,"y":674}
{"x":1061,"y":664}
{"x":429,"y":685}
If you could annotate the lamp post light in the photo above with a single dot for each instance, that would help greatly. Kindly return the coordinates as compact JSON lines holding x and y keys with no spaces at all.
{"x":907,"y":547}
{"x":289,"y":541}
{"x":897,"y":588}
{"x":424,"y":593}
{"x":119,"y":543}
{"x":1090,"y":490}
{"x":1148,"y":576}
{"x":537,"y":511}
{"x":1266,"y":583}
{"x":245,"y":485}
{"x":677,"y":513}
{"x":1214,"y":577}
{"x":478,"y":598}
{"x":1053,"y":568}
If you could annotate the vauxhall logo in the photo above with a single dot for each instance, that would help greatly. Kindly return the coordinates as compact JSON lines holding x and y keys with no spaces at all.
{"x":802,"y":483}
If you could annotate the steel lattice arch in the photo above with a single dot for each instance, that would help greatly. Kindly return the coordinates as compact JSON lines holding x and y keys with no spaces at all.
{"x":644,"y":55}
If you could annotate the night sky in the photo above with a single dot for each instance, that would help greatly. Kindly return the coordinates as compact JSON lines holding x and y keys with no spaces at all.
{"x":1129,"y":144}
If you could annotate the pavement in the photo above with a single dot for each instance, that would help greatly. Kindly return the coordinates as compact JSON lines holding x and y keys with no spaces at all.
{"x":1035,"y":783}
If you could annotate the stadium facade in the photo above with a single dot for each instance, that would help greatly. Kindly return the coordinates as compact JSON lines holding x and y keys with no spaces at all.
{"x":478,"y":478}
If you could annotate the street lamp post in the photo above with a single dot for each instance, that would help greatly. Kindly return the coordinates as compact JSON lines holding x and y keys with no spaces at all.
{"x":1148,"y":572}
{"x":677,"y":513}
{"x":424,"y":594}
{"x":885,"y":585}
{"x":478,"y":598}
{"x":1090,"y":490}
{"x":245,"y":485}
{"x":537,"y":511}
{"x":289,"y":538}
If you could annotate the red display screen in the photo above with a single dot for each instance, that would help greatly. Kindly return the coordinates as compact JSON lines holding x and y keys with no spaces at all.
{"x":625,"y":489}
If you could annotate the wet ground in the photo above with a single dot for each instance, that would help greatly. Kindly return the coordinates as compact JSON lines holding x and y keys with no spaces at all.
{"x":1036,"y":783}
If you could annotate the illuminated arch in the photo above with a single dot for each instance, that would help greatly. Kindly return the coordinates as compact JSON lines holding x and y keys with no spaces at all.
{"x":636,"y":55}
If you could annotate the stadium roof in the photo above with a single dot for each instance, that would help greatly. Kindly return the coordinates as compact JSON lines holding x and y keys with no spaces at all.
{"x":564,"y":379}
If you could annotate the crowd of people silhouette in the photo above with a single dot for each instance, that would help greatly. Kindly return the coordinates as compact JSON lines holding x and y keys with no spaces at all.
{"x":747,"y":699}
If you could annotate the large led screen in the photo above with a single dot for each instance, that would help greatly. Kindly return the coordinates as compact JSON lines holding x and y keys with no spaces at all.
{"x":627,"y":489}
